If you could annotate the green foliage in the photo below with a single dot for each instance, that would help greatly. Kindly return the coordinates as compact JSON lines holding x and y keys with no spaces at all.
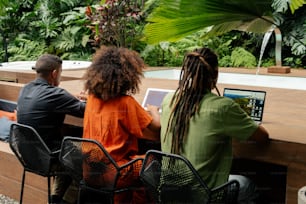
{"x":162,"y":55}
{"x":72,"y":30}
{"x":26,"y":50}
{"x":294,"y":32}
{"x":172,"y":53}
{"x":294,"y":62}
{"x":117,"y":23}
{"x":86,"y":56}
{"x":73,"y":36}
{"x":182,"y":18}
{"x":293,"y":29}
{"x":282,"y":5}
{"x":225,"y":61}
{"x":242,"y":58}
{"x":268,"y":62}
{"x":59,"y":26}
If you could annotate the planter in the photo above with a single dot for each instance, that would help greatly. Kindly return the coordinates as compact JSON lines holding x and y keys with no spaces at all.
{"x":279,"y":69}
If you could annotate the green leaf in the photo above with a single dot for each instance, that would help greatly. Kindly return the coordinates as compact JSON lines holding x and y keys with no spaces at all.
{"x":175,"y":19}
{"x":85,"y":40}
{"x":295,"y":4}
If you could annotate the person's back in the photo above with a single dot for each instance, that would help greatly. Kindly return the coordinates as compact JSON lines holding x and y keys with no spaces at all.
{"x":200,"y":125}
{"x":43,"y":105}
{"x":113,"y":117}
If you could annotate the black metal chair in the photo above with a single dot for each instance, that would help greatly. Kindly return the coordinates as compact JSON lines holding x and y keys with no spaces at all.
{"x":171,"y":178}
{"x":33,"y":154}
{"x":94,"y":169}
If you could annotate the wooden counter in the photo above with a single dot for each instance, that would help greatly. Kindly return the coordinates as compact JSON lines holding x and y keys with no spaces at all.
{"x":284,"y":118}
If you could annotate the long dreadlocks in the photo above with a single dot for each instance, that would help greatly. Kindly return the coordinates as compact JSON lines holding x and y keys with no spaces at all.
{"x":198,"y":76}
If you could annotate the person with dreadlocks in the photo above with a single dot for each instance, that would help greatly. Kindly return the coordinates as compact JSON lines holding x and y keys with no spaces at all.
{"x":112,"y":116}
{"x":200,"y":125}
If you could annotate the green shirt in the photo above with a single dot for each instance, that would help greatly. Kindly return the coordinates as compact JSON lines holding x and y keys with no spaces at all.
{"x":209,"y":141}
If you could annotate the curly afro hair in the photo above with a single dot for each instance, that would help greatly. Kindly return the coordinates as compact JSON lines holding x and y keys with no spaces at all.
{"x":114,"y":72}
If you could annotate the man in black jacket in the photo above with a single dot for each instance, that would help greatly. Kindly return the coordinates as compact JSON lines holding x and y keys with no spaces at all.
{"x":43,"y":105}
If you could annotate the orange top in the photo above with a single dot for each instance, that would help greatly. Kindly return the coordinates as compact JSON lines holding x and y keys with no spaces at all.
{"x":116,"y":124}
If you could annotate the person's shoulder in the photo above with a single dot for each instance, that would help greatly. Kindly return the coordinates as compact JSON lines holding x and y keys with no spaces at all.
{"x":57,"y":89}
{"x":213,"y":96}
{"x":168,"y":96}
{"x":127,"y":98}
{"x":29,"y":84}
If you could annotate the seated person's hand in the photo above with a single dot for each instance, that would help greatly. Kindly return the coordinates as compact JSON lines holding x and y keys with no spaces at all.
{"x":82,"y":96}
{"x":152,"y":109}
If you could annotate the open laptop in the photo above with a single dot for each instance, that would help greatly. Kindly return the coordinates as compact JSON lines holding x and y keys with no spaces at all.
{"x":155,"y":96}
{"x":251,"y":101}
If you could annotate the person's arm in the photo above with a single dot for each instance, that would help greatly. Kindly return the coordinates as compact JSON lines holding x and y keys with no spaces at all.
{"x":260,"y":135}
{"x":82,"y":96}
{"x":152,"y":131}
{"x":68,"y":103}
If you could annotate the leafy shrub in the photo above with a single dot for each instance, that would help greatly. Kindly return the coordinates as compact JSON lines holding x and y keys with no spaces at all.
{"x":117,"y":23}
{"x":242,"y":58}
{"x":294,"y":62}
{"x":268,"y":62}
{"x":225,"y":61}
{"x":24,"y":50}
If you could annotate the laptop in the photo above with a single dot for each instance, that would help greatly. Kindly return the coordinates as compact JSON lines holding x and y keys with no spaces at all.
{"x":155,"y":96}
{"x":251,"y":101}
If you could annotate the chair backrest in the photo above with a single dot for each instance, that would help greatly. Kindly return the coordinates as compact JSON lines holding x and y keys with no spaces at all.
{"x":226,"y":193}
{"x":30,"y":149}
{"x":172,"y":179}
{"x":88,"y":160}
{"x":100,"y":177}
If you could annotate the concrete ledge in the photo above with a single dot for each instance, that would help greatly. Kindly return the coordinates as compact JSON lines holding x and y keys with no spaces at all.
{"x":9,"y":90}
{"x":24,"y":77}
{"x":278,"y":69}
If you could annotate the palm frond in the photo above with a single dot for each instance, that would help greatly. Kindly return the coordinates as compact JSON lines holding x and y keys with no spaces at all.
{"x":174,"y":19}
{"x":296,"y":4}
{"x":284,"y":5}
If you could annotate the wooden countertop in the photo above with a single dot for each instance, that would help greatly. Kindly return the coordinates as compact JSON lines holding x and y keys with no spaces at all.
{"x":284,"y":114}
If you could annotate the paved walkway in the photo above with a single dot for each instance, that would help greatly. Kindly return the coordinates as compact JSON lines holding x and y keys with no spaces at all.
{"x":6,"y":200}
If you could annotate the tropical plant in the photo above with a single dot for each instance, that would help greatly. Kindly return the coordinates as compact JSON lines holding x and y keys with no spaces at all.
{"x":183,"y":17}
{"x":11,"y":21}
{"x":74,"y":37}
{"x":58,"y":25}
{"x":25,"y":50}
{"x":242,"y":58}
{"x":117,"y":23}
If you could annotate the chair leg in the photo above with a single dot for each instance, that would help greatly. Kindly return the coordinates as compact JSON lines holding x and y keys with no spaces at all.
{"x":22,"y":186}
{"x":49,"y":191}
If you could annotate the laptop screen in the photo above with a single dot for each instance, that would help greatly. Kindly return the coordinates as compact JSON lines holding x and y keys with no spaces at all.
{"x":251,"y":101}
{"x":155,"y":96}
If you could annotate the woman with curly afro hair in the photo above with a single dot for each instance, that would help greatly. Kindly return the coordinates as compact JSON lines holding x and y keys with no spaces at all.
{"x":112,"y":116}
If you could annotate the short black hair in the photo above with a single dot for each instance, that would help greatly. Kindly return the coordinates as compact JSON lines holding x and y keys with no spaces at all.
{"x":47,"y":63}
